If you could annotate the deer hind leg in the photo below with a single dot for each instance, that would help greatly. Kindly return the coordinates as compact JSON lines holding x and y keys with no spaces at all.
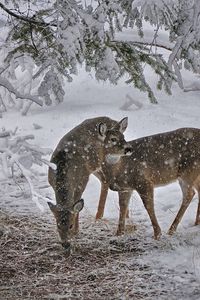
{"x":146,"y":193}
{"x":188,"y":194}
{"x":124,"y":198}
{"x":102,"y":200}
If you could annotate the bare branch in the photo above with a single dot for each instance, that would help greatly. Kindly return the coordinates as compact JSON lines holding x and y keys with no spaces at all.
{"x":155,"y":44}
{"x":25,"y":19}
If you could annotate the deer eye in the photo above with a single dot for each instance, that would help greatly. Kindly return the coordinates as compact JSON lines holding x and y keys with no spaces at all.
{"x":113,"y":140}
{"x":71,"y":226}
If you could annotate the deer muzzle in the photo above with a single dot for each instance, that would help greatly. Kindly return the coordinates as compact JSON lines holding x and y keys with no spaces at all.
{"x":67,"y":248}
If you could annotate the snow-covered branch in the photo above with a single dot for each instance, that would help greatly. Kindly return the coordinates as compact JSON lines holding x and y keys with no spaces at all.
{"x":24,"y":18}
{"x":154,"y":44}
{"x":7,"y":85}
{"x":18,"y":155}
{"x":181,"y":19}
{"x":46,"y":41}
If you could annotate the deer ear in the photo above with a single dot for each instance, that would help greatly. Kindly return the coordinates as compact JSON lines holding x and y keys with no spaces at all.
{"x":123,"y":124}
{"x":52,"y":207}
{"x":102,"y":128}
{"x":78,"y":206}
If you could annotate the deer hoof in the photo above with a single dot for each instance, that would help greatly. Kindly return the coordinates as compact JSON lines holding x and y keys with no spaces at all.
{"x":98,"y":217}
{"x":120,"y":232}
{"x":157,"y":235}
{"x":171,"y":231}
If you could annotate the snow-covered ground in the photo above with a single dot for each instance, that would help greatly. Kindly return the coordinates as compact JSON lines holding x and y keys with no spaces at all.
{"x":179,"y":255}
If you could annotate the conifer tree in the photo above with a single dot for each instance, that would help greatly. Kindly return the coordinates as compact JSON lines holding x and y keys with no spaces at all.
{"x":43,"y":42}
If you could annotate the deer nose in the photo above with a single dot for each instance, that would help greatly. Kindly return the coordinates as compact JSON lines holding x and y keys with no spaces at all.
{"x":128,"y":150}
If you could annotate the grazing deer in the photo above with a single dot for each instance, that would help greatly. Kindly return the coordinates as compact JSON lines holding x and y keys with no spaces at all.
{"x":156,"y":160}
{"x":78,"y":154}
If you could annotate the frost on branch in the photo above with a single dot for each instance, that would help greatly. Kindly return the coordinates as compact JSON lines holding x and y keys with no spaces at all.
{"x":182,"y":21}
{"x":8,"y":86}
{"x":107,"y":67}
{"x":18,"y":156}
{"x":44,"y":42}
{"x":51,"y":84}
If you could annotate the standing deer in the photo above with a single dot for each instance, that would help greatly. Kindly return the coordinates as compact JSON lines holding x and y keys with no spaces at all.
{"x":78,"y":154}
{"x":156,"y":160}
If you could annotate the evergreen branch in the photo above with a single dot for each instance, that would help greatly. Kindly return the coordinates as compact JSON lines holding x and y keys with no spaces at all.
{"x":32,"y":39}
{"x":25,"y":19}
{"x":132,"y":65}
{"x":150,"y":44}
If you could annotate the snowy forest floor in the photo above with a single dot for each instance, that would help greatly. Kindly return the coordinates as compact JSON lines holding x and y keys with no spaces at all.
{"x":102,"y":266}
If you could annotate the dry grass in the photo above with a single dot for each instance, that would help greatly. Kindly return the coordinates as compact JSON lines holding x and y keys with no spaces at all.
{"x":33,"y":265}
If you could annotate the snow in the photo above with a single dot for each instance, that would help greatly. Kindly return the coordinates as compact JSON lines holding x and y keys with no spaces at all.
{"x":179,"y":255}
{"x":5,"y":83}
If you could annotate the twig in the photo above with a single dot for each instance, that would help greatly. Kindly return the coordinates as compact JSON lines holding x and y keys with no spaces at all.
{"x":7,"y":85}
{"x":25,"y":19}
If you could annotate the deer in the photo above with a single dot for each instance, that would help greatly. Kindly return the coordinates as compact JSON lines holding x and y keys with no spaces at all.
{"x":156,"y":160}
{"x":78,"y":154}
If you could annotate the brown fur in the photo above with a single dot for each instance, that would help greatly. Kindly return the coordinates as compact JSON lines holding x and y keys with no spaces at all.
{"x":156,"y":160}
{"x":80,"y":153}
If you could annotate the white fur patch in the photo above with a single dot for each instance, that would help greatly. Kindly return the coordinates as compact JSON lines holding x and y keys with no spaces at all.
{"x":112,"y":158}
